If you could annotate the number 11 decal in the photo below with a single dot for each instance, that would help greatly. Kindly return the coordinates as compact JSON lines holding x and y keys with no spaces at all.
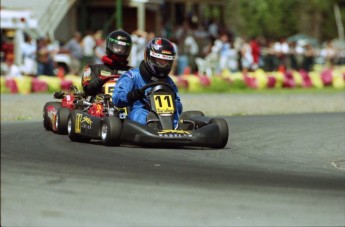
{"x":164,"y":103}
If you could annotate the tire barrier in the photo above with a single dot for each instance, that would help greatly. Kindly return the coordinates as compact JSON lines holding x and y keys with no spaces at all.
{"x":263,"y":80}
{"x":40,"y":84}
{"x":222,"y":82}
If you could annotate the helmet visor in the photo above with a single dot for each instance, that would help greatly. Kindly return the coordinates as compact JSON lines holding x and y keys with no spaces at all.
{"x":120,"y":47}
{"x":161,"y":60}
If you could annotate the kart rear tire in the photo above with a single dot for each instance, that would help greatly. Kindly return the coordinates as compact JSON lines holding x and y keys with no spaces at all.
{"x":73,"y":136}
{"x":111,"y":131}
{"x":46,"y":121}
{"x":224,"y":131}
{"x":62,"y":120}
{"x":187,"y":115}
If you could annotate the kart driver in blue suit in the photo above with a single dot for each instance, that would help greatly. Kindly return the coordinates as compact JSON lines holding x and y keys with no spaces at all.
{"x":158,"y":60}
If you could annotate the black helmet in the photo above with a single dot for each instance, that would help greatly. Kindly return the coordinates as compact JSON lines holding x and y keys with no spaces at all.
{"x":119,"y":45}
{"x":159,"y":57}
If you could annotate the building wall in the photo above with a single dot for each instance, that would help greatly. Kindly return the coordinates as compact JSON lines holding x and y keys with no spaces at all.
{"x":67,"y":26}
{"x":100,"y":15}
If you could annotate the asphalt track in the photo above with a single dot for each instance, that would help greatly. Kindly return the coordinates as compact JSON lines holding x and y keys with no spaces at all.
{"x":278,"y":170}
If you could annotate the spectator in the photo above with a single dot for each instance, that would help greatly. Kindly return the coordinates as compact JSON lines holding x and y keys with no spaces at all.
{"x":291,"y":57}
{"x":99,"y":51}
{"x":179,"y":38}
{"x":341,"y":56}
{"x":191,"y":50}
{"x":254,"y":45}
{"x":100,"y":47}
{"x":213,"y":29}
{"x":328,"y":53}
{"x":9,"y":68}
{"x":271,"y":60}
{"x":74,"y":48}
{"x":226,"y":52}
{"x":246,"y":56}
{"x":207,"y":49}
{"x":45,"y":63}
{"x":53,"y":47}
{"x":88,"y":45}
{"x":139,"y":39}
{"x":211,"y":55}
{"x":282,"y":49}
{"x":308,"y":60}
{"x":29,"y":49}
{"x":174,"y":66}
{"x":300,"y":48}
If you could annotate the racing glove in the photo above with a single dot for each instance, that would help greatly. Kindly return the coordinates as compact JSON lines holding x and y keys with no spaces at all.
{"x":135,"y":95}
{"x":59,"y":94}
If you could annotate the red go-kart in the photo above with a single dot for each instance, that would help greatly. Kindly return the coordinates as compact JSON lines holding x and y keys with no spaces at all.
{"x":55,"y":114}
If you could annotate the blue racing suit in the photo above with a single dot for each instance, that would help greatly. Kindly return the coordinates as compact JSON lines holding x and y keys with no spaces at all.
{"x":132,"y":80}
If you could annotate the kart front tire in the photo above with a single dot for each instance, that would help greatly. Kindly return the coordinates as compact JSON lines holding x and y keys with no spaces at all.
{"x":186,"y":116}
{"x":111,"y":131}
{"x":62,"y":120}
{"x":46,"y":121}
{"x":73,"y":136}
{"x":224,"y":131}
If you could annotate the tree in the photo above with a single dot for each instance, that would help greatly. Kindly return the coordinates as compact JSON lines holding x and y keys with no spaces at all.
{"x":282,"y":18}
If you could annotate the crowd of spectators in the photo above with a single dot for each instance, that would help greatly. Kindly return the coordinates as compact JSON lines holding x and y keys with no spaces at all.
{"x":39,"y":56}
{"x":206,"y":46}
{"x":220,"y":49}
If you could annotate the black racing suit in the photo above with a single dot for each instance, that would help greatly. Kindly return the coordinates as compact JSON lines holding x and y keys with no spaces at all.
{"x":95,"y":76}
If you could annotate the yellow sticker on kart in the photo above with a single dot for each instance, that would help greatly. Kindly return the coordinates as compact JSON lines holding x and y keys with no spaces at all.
{"x":164,"y":104}
{"x":109,"y":87}
{"x":78,"y":123}
{"x":174,"y":133}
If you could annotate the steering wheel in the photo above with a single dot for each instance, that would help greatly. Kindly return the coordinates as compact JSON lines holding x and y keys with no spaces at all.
{"x":156,"y":86}
{"x":160,"y":86}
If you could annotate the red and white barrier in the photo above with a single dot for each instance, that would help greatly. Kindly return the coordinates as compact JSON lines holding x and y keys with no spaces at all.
{"x":196,"y":83}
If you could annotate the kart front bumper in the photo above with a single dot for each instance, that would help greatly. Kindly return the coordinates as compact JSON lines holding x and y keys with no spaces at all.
{"x":135,"y":133}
